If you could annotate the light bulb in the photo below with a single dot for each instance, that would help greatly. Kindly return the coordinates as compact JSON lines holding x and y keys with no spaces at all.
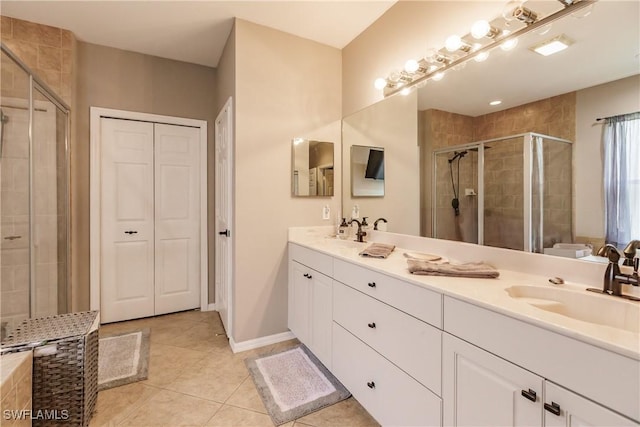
{"x":411,"y":66}
{"x":481,"y":57}
{"x":405,"y":91}
{"x":480,"y":29}
{"x":438,"y":76}
{"x":453,"y":43}
{"x":509,"y":44}
{"x":394,"y":77}
{"x":380,"y":83}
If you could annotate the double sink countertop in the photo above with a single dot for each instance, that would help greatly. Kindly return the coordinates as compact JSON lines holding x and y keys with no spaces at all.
{"x":492,"y":294}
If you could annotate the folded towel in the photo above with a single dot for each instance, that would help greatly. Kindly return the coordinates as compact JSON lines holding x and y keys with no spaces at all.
{"x":378,"y":250}
{"x":472,"y":269}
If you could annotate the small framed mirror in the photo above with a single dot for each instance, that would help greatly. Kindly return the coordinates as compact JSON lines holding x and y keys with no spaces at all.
{"x":367,"y":171}
{"x":312,"y":168}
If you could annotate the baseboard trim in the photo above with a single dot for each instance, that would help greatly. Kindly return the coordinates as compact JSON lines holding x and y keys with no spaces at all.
{"x":211,"y":307}
{"x":237,"y":347}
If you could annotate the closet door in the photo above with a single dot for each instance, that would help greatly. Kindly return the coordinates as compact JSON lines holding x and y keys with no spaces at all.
{"x":177,"y":218}
{"x":127,"y":223}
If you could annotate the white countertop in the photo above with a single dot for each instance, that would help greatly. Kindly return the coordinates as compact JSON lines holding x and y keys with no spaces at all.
{"x":487,"y":293}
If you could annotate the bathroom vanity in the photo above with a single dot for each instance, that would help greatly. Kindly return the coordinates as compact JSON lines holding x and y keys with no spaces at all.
{"x":431,"y":351}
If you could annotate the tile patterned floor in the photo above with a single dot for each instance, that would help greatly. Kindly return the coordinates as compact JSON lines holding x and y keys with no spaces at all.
{"x":196,"y":380}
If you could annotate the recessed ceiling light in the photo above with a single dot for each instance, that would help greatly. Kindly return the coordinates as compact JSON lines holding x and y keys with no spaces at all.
{"x":551,"y":46}
{"x":496,"y":102}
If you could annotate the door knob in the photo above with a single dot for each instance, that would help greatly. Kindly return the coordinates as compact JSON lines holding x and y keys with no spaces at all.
{"x":372,"y":325}
{"x":371,"y":384}
{"x":225,"y":233}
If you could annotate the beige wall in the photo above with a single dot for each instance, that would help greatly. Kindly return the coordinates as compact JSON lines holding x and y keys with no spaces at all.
{"x":286,"y":87}
{"x":609,"y":99}
{"x":405,"y":31}
{"x":226,"y":73}
{"x":393,"y":125}
{"x":113,"y":78}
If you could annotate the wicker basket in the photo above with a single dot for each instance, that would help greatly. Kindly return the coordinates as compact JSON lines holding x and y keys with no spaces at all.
{"x":65,"y":366}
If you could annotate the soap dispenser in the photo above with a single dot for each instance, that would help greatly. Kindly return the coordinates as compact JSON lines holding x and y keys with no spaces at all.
{"x":343,"y":230}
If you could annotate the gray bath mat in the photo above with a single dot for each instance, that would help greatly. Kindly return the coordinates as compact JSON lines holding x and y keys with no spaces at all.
{"x":293,"y":383}
{"x":123,"y":359}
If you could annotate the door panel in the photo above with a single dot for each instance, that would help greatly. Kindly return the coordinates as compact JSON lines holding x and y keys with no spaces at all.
{"x":223,"y":212}
{"x":177,"y":218}
{"x":127,"y":255}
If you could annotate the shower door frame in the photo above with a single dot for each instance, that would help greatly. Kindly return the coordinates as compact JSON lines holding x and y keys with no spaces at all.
{"x":527,"y":166}
{"x":35,"y":83}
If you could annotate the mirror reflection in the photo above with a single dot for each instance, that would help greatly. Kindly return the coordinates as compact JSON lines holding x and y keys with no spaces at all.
{"x":367,"y":171}
{"x":553,"y":196}
{"x":312,"y":168}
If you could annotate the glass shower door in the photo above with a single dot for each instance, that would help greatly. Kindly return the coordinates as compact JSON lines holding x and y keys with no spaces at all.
{"x":14,"y":195}
{"x":49,"y":214}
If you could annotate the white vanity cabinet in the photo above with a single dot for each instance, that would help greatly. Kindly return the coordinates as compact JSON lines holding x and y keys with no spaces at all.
{"x":310,"y":300}
{"x":480,"y":385}
{"x":480,"y":389}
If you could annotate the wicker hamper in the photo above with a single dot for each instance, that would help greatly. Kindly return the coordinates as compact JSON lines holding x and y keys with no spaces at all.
{"x":65,"y":366}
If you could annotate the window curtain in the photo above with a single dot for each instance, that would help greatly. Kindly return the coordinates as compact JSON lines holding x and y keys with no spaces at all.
{"x":621,"y":139}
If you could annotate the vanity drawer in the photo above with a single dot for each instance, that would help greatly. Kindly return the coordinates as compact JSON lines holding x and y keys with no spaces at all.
{"x":313,"y":259}
{"x":391,"y":396}
{"x":413,"y":345}
{"x":412,"y":299}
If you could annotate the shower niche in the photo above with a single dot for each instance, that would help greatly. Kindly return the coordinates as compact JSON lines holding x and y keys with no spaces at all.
{"x":513,"y":192}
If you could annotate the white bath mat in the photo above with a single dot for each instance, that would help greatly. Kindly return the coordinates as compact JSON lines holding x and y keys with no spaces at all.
{"x":123,"y":359}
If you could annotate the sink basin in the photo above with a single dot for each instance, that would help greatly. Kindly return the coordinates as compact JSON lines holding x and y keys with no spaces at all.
{"x":582,"y":305}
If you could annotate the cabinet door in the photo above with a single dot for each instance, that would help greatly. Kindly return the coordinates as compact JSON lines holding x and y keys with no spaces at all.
{"x":480,"y":389}
{"x":300,"y":302}
{"x":564,"y":408}
{"x":321,"y":317}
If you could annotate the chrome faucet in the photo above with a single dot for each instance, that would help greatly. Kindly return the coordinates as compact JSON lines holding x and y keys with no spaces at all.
{"x":613,"y":277}
{"x":360,"y":233}
{"x":375,"y":224}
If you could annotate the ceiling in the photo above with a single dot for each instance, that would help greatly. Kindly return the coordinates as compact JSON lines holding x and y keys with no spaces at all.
{"x":606,"y":48}
{"x":196,"y":31}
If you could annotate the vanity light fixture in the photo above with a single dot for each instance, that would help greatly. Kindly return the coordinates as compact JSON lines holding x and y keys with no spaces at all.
{"x":437,"y":62}
{"x":553,"y":45}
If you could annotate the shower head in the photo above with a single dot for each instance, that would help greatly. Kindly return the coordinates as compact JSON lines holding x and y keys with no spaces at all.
{"x":458,"y":155}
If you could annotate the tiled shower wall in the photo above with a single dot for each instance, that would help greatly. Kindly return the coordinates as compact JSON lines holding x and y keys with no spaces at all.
{"x":48,"y":51}
{"x":504,"y":217}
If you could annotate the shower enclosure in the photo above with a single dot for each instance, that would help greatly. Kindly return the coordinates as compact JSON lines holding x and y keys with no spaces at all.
{"x":34,"y":238}
{"x":513,"y":192}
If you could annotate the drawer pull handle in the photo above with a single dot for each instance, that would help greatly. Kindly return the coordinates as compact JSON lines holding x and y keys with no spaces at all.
{"x":554,"y":408}
{"x":531,"y":395}
{"x":372,"y":284}
{"x":372,"y":325}
{"x":371,"y":384}
{"x":131,"y":232}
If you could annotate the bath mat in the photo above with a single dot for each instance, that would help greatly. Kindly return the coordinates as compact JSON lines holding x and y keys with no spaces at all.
{"x":123,"y":359}
{"x":294,"y":383}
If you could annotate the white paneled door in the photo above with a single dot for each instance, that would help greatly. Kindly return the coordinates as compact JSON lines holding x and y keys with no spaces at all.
{"x":224,"y":214}
{"x":177,"y":218}
{"x":150,"y":219}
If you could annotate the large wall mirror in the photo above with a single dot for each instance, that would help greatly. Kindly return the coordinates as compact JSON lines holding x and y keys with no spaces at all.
{"x":311,"y":168}
{"x":466,"y":148}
